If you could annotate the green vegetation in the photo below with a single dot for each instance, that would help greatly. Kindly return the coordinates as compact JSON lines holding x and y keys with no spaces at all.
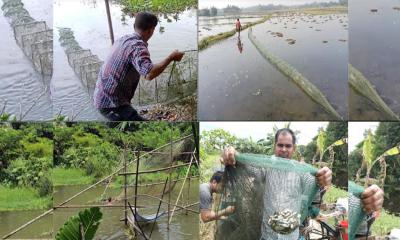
{"x":158,"y":6}
{"x":334,"y":193}
{"x":385,"y":222}
{"x":208,"y":41}
{"x":323,"y":10}
{"x":71,"y":176}
{"x":26,"y":152}
{"x":22,"y":198}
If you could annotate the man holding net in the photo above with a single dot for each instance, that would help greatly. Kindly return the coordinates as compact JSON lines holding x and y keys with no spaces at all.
{"x":119,"y":76}
{"x":206,"y":199}
{"x":284,"y":147}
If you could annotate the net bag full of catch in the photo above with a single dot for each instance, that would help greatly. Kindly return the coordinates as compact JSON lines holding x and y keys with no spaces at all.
{"x":271,"y":196}
{"x":356,"y":212}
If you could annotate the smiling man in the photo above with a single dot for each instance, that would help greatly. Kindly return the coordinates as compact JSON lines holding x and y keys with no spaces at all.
{"x":120,"y":74}
{"x":285,"y":147}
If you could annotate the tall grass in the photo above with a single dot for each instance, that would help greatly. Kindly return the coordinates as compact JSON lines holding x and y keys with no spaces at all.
{"x":22,"y":198}
{"x":70,"y":176}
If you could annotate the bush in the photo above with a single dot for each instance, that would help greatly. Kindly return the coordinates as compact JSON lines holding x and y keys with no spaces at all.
{"x":44,"y":186}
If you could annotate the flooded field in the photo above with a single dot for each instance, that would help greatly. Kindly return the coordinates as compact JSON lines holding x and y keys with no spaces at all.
{"x":209,"y":26}
{"x":24,"y":91}
{"x":88,"y":21}
{"x":246,"y":86}
{"x":374,"y":50}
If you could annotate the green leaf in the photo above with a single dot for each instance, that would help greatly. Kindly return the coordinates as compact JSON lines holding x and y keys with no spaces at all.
{"x":89,"y":219}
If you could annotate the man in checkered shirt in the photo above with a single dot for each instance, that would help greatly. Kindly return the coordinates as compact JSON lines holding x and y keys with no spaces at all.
{"x":120,"y":74}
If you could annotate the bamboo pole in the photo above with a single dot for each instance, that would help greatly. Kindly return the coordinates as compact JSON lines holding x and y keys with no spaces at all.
{"x":95,"y":205}
{"x":155,"y":170}
{"x":170,"y":170}
{"x":178,"y":206}
{"x":136,"y":180}
{"x":180,"y":192}
{"x":160,"y":183}
{"x":125,"y":183}
{"x":110,"y":27}
{"x":159,"y":206}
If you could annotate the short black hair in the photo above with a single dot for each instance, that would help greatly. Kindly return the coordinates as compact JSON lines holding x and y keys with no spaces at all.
{"x":217,"y":176}
{"x":285,"y":130}
{"x":145,"y":21}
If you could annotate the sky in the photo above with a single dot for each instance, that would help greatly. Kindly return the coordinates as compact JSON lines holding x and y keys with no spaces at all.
{"x":356,"y":132}
{"x":249,"y":3}
{"x":259,"y":130}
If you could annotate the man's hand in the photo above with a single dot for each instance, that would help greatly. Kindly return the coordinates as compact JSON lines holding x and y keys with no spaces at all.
{"x":229,"y":210}
{"x":324,"y":177}
{"x":228,"y":156}
{"x":176,"y":56}
{"x":372,"y":199}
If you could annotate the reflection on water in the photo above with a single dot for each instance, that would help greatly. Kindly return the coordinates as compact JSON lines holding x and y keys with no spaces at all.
{"x":23,"y":92}
{"x":88,"y":21}
{"x":209,"y":26}
{"x":374,"y":49}
{"x":245,"y":86}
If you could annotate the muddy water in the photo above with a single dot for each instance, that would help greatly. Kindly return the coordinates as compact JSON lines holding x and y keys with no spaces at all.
{"x":88,"y":21}
{"x":374,"y":47}
{"x":22,"y":89}
{"x":9,"y":221}
{"x":209,"y":26}
{"x":244,"y":86}
{"x":320,"y":52}
{"x":182,"y":226}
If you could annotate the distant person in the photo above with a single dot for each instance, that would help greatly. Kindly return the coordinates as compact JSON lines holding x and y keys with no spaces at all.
{"x":120,"y":74}
{"x":206,"y":199}
{"x":240,"y":45}
{"x":238,"y":26}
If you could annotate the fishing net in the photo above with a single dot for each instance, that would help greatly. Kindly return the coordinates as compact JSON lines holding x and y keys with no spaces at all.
{"x":271,"y":196}
{"x":178,"y":81}
{"x":289,"y":71}
{"x":356,"y":213}
{"x":364,"y":87}
{"x":34,"y":37}
{"x":85,"y":64}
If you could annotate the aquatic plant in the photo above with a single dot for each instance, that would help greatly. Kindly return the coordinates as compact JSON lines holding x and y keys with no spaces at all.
{"x":310,"y":89}
{"x":157,"y":6}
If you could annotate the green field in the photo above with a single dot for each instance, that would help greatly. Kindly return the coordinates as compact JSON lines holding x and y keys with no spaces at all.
{"x":22,"y":198}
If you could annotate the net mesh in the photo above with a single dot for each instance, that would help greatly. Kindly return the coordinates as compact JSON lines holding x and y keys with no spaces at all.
{"x":271,"y":195}
{"x":85,"y":64}
{"x":34,"y":37}
{"x":356,"y":213}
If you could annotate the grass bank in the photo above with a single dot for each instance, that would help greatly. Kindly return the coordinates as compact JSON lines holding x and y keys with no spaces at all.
{"x":208,"y":41}
{"x":157,"y":6}
{"x":22,"y":198}
{"x":70,"y":176}
{"x":323,"y":11}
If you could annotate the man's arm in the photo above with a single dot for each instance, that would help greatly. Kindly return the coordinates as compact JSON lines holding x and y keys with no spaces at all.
{"x":160,"y":67}
{"x":208,"y":215}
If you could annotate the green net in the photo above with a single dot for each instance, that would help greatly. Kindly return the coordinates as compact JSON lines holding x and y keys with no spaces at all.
{"x":356,"y":213}
{"x":271,"y":195}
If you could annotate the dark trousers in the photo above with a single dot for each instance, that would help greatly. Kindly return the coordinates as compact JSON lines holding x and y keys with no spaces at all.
{"x":121,"y":113}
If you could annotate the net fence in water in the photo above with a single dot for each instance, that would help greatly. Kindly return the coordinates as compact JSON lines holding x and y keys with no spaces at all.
{"x":178,"y":81}
{"x":356,"y":213}
{"x":285,"y":68}
{"x":35,"y":38}
{"x":271,"y":196}
{"x":83,"y":62}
